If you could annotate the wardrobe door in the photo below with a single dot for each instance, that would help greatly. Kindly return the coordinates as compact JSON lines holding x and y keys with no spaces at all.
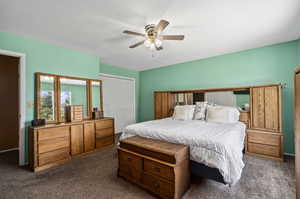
{"x":158,"y":105}
{"x":258,"y":107}
{"x":165,"y":104}
{"x":76,"y":139}
{"x":272,"y":108}
{"x":297,"y":132}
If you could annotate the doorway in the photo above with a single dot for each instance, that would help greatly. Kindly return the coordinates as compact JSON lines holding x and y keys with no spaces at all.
{"x":21,"y":84}
{"x":9,"y":103}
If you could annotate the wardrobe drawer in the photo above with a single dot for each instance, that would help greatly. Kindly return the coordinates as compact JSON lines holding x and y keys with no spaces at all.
{"x":130,"y":160}
{"x":158,"y":186}
{"x":104,"y":132}
{"x":53,"y":144}
{"x":51,"y":133}
{"x":264,"y":149}
{"x":263,"y":138}
{"x":53,"y":156}
{"x":103,"y":124}
{"x":130,"y":173}
{"x":158,"y":169}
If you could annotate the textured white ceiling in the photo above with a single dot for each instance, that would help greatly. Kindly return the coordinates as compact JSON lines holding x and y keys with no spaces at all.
{"x":211,"y":27}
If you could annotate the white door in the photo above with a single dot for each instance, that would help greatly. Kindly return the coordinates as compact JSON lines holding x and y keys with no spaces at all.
{"x":119,"y":100}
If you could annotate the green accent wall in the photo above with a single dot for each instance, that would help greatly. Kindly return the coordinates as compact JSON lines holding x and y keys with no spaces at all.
{"x":270,"y":64}
{"x":46,"y":58}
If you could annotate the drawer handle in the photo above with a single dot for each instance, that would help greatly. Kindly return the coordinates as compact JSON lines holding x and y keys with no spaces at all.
{"x":129,"y":159}
{"x":157,"y":169}
{"x":156,"y":185}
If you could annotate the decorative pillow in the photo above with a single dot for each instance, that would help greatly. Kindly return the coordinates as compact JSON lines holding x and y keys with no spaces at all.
{"x":200,"y":110}
{"x":185,"y":112}
{"x":222,"y":114}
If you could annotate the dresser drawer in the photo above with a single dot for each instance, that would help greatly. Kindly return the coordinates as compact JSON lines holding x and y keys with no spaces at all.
{"x":158,"y":186}
{"x":102,"y":142}
{"x":263,"y":138}
{"x":53,"y":144}
{"x":264,"y":149}
{"x":104,"y":132}
{"x":103,"y":124}
{"x":51,"y":133}
{"x":53,"y":156}
{"x":158,"y":169}
{"x":130,"y":160}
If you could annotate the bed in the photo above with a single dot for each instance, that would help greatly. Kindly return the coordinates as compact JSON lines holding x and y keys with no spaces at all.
{"x":216,"y":149}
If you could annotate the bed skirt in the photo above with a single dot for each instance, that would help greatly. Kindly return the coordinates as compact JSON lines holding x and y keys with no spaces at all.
{"x":201,"y":170}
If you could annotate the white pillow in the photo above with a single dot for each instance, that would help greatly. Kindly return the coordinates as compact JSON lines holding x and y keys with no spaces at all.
{"x":185,"y":112}
{"x":222,"y":114}
{"x":200,"y":110}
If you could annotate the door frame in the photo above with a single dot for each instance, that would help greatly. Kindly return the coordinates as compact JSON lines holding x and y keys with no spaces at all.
{"x":22,"y":100}
{"x":126,"y":78}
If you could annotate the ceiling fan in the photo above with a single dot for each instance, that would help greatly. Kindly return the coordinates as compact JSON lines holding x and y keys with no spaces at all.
{"x":153,"y":37}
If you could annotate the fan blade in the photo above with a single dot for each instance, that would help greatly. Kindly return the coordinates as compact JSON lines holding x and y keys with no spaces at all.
{"x":137,"y":44}
{"x":161,"y":26}
{"x":133,"y":33}
{"x":172,"y":37}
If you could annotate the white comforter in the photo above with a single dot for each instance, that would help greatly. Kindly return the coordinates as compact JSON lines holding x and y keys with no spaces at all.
{"x":213,"y":144}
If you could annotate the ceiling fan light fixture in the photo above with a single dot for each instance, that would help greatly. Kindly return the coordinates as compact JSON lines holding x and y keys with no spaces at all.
{"x":153,"y":37}
{"x":158,"y":43}
{"x":152,"y":47}
{"x":147,"y":43}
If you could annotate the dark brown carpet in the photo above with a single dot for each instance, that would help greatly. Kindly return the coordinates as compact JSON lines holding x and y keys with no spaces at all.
{"x":94,"y":176}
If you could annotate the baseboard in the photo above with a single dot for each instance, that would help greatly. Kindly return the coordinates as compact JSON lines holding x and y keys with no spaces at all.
{"x":14,"y":149}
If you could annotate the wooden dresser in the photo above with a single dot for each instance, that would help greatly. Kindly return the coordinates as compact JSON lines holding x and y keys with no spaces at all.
{"x":55,"y":144}
{"x":159,"y":167}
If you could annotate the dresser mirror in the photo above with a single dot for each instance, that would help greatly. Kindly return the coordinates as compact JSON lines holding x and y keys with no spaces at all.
{"x":73,"y":92}
{"x":55,"y":92}
{"x":46,"y":97}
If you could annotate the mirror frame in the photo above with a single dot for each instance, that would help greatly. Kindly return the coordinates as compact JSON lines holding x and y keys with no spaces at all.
{"x":57,"y":86}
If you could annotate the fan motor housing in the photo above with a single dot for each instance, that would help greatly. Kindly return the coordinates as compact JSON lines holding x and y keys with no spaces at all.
{"x":150,"y":31}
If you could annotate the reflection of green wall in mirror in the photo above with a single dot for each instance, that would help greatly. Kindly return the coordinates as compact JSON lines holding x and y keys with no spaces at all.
{"x":242,"y":99}
{"x":96,"y":100}
{"x":78,"y":96}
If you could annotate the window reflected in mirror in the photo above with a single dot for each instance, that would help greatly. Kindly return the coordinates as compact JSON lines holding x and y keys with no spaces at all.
{"x":73,"y":92}
{"x":46,"y":102}
{"x":96,"y":95}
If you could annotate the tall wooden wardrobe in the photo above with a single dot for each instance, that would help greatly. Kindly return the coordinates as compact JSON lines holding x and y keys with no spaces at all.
{"x":264,"y":137}
{"x":297,"y":129}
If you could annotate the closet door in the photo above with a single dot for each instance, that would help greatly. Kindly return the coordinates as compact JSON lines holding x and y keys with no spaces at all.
{"x":258,"y":107}
{"x":272,"y":108}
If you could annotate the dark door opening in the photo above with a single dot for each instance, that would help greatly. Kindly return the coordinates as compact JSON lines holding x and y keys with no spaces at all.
{"x":9,"y":103}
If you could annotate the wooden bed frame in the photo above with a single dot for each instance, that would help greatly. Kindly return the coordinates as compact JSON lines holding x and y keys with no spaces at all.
{"x":264,"y":136}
